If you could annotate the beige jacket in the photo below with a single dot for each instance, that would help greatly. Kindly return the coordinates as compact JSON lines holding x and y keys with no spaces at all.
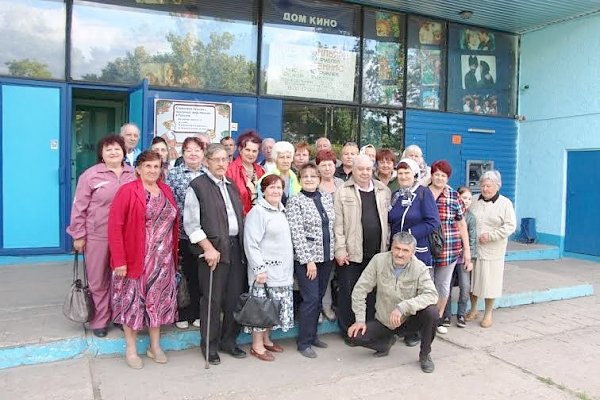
{"x":411,"y":292}
{"x":348,"y":227}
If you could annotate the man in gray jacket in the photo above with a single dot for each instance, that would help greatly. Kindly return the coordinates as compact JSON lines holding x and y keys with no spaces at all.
{"x":405,"y":301}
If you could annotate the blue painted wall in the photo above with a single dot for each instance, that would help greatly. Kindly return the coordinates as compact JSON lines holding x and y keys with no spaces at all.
{"x":31,"y":119}
{"x":435,"y":129}
{"x":561,"y":65}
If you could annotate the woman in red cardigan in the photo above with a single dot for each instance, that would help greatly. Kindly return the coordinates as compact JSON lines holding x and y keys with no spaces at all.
{"x":142,"y":238}
{"x":244,"y":171}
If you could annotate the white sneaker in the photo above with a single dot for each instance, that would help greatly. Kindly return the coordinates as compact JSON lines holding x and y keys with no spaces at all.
{"x":182,"y":324}
{"x":196,"y":323}
{"x":442,"y":329}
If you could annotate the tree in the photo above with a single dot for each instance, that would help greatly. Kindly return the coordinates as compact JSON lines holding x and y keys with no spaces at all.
{"x":190,"y":63}
{"x":28,"y":69}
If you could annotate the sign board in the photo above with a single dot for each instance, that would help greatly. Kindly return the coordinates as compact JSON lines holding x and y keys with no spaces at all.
{"x":175,"y":120}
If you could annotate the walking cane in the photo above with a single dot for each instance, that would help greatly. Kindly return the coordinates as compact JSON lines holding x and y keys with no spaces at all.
{"x":207,"y":339}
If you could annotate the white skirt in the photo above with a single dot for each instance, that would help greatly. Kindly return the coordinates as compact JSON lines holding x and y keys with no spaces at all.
{"x":488,"y":278}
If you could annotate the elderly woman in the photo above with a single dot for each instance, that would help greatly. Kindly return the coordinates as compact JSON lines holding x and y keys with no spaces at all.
{"x":283,"y":154}
{"x":178,"y":180}
{"x":244,"y":171}
{"x":495,"y":219}
{"x":413,"y":151}
{"x":369,"y":150}
{"x":142,"y":238}
{"x":454,"y":231}
{"x":325,"y":161}
{"x":311,"y":217}
{"x":160,"y":146}
{"x":413,"y":209}
{"x":269,"y":251}
{"x":384,"y":168}
{"x":301,"y":156}
{"x":89,"y":220}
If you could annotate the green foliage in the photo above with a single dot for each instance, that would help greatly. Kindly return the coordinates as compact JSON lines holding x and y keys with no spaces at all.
{"x":27,"y":68}
{"x":191,"y":63}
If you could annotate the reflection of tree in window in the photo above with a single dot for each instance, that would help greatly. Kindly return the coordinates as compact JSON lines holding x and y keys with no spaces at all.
{"x":28,"y":69}
{"x":191,"y":63}
{"x":382,"y":128}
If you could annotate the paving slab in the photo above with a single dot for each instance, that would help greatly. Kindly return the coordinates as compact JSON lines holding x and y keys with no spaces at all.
{"x":66,"y":380}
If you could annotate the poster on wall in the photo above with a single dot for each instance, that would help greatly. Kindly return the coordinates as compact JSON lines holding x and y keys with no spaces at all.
{"x":481,"y":71}
{"x":312,"y":72}
{"x":175,"y":120}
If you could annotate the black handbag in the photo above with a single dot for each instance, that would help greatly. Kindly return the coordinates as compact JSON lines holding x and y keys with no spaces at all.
{"x":436,"y":242}
{"x":257,"y":312}
{"x":183,"y":294}
{"x":78,"y":305}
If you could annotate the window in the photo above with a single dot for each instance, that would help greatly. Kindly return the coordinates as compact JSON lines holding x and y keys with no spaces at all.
{"x":482,"y":71}
{"x":425,"y":68}
{"x":383,"y":58}
{"x":33,"y":33}
{"x":307,"y":122}
{"x":382,"y":128}
{"x":310,"y":50}
{"x":200,"y":46}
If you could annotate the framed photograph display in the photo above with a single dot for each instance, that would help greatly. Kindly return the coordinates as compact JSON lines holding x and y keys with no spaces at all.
{"x":383,"y":58}
{"x":481,"y":71}
{"x":425,"y":80}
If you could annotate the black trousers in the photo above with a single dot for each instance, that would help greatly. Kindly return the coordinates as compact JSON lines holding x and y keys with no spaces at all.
{"x":347,"y":277}
{"x":312,"y":292}
{"x":189,"y":267}
{"x":229,"y":281}
{"x":377,"y":337}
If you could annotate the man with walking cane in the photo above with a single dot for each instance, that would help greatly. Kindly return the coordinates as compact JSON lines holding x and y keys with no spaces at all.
{"x":212,"y":219}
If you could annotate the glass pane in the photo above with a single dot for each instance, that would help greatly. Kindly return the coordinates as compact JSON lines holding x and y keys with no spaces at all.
{"x":175,"y":45}
{"x":482,"y":76}
{"x":310,"y":49}
{"x":383,"y":58}
{"x":425,"y":63}
{"x":382,"y":128}
{"x":33,"y":44}
{"x":307,"y":122}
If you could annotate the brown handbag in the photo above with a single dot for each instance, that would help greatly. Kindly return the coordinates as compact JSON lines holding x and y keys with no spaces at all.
{"x":78,"y":305}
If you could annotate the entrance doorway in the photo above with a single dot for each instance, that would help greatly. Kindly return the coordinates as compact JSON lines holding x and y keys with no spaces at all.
{"x":583,"y":191}
{"x":96,"y":113}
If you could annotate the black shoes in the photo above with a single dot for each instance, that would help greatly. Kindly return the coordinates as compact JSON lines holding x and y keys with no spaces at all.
{"x":383,"y":353}
{"x":427,"y":365}
{"x":412,"y":340}
{"x":102,"y":332}
{"x":213,"y":357}
{"x":234,"y":352}
{"x":320,"y":344}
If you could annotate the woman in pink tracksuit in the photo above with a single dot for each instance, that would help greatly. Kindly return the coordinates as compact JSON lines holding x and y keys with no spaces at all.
{"x":95,"y":191}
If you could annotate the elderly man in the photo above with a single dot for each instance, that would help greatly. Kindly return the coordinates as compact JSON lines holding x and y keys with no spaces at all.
{"x":361,"y":230}
{"x":229,"y":145}
{"x":323,"y":143}
{"x":266,"y":149}
{"x":406,"y":301}
{"x":131,"y":135}
{"x":212,"y":219}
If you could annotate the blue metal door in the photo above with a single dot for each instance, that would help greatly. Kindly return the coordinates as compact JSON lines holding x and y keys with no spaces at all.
{"x":583,"y":195}
{"x":440,"y":147}
{"x":33,"y":176}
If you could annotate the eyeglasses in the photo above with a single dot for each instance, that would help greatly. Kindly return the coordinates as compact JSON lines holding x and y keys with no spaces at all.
{"x":309,"y":177}
{"x":192,"y":151}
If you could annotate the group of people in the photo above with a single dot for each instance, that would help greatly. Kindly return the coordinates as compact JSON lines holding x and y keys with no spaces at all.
{"x":344,"y":239}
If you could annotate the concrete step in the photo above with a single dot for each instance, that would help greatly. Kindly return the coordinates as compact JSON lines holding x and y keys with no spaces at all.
{"x":34,"y":330}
